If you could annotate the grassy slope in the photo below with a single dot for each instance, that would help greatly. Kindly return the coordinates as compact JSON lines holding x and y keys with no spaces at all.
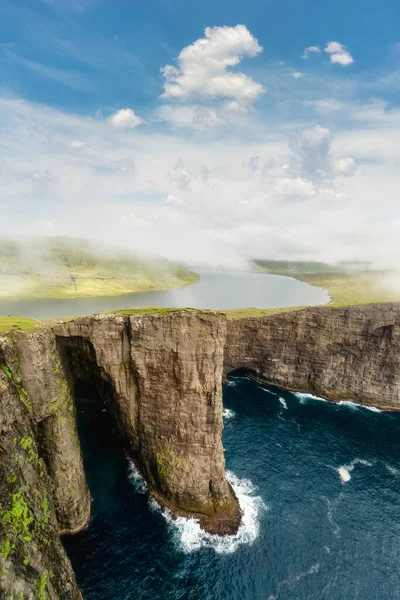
{"x":346,"y":286}
{"x":66,"y":268}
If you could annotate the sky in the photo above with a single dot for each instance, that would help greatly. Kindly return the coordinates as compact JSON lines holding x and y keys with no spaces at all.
{"x":210,"y":132}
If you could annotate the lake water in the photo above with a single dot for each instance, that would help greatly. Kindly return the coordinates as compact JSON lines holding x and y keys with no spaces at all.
{"x":218,"y":290}
{"x":320,"y":487}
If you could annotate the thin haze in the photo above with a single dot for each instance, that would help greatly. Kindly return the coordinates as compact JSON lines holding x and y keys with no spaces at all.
{"x":210,"y":145}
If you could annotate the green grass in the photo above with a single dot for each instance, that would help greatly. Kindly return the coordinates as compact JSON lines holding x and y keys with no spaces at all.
{"x":347,"y":285}
{"x":18,"y":324}
{"x":73,"y":268}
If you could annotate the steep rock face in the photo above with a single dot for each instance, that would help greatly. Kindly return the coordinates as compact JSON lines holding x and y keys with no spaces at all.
{"x":338,"y":353}
{"x":49,"y":388}
{"x":33,"y":564}
{"x":161,"y":376}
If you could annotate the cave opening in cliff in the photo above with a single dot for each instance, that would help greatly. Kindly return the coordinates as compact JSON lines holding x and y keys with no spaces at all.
{"x":98,"y":416}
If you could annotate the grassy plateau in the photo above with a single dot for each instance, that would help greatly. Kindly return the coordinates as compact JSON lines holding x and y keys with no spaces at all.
{"x":73,"y":268}
{"x":347,"y":285}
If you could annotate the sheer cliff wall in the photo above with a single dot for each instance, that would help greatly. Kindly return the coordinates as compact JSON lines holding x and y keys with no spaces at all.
{"x":338,"y":353}
{"x":160,"y":375}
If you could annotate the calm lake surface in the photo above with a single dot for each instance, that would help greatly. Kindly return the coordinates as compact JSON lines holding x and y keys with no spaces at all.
{"x":319,"y":484}
{"x":218,"y":290}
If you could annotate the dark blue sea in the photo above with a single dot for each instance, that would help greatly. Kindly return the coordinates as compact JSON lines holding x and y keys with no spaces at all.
{"x":319,"y":484}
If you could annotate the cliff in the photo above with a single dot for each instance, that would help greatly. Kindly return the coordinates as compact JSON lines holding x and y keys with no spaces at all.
{"x":161,"y":378}
{"x":337,"y":353}
{"x":160,"y":375}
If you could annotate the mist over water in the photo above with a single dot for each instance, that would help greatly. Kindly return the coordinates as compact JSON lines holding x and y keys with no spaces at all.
{"x":321,"y":486}
{"x":216,"y":290}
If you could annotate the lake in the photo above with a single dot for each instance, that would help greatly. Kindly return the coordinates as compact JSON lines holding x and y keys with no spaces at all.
{"x":215,"y":290}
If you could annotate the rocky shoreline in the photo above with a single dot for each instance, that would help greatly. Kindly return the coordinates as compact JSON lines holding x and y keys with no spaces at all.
{"x":160,"y":376}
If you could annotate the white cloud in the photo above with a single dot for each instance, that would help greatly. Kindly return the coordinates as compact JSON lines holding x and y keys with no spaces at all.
{"x":345,"y":166}
{"x":196,"y":117}
{"x":226,"y":197}
{"x":297,"y":75}
{"x":172,"y":199}
{"x":203,"y":70}
{"x":313,"y":159}
{"x":338,"y":54}
{"x":77,"y":144}
{"x":125,"y":118}
{"x":311,"y":50}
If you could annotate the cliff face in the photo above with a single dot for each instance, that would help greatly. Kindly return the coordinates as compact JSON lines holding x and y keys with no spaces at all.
{"x":338,"y":353}
{"x":33,"y":563}
{"x":160,"y":375}
{"x":161,"y":378}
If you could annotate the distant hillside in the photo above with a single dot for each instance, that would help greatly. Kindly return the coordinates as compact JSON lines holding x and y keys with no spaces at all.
{"x":348,"y":283}
{"x":58,"y":267}
{"x":286,"y":267}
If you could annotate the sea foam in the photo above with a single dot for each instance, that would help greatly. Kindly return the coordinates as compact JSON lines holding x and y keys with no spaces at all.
{"x":345,"y":471}
{"x":304,"y":398}
{"x":188,"y":534}
{"x":283,"y":402}
{"x":136,"y":479}
{"x":228,"y":413}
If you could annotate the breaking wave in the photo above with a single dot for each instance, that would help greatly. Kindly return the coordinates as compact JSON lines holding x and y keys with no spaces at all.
{"x":344,"y":471}
{"x":136,"y":479}
{"x":228,"y":414}
{"x":283,"y":402}
{"x":189,"y":536}
{"x":304,"y":398}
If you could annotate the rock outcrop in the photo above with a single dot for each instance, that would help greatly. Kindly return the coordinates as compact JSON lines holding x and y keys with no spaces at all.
{"x":161,"y":378}
{"x":160,"y":375}
{"x":337,"y":353}
{"x":33,"y":564}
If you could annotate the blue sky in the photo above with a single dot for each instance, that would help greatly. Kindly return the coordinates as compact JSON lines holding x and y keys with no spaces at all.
{"x":130,"y":121}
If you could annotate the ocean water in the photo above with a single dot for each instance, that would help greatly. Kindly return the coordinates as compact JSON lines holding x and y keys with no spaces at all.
{"x":319,"y":485}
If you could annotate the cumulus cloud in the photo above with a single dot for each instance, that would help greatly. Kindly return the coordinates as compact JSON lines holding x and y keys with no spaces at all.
{"x":345,"y":166}
{"x":312,"y":156}
{"x":125,"y":118}
{"x":311,"y":50}
{"x":338,"y":54}
{"x":204,"y":69}
{"x":297,"y":75}
{"x":225,"y":198}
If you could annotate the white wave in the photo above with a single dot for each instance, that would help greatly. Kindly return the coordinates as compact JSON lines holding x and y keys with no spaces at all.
{"x":228,"y":413}
{"x":304,"y":398}
{"x":393,"y":470}
{"x":283,"y":402}
{"x":189,"y":536}
{"x":357,"y":406}
{"x":344,"y":471}
{"x":136,"y":479}
{"x":373,"y":409}
{"x":349,"y":404}
{"x":268,"y":391}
